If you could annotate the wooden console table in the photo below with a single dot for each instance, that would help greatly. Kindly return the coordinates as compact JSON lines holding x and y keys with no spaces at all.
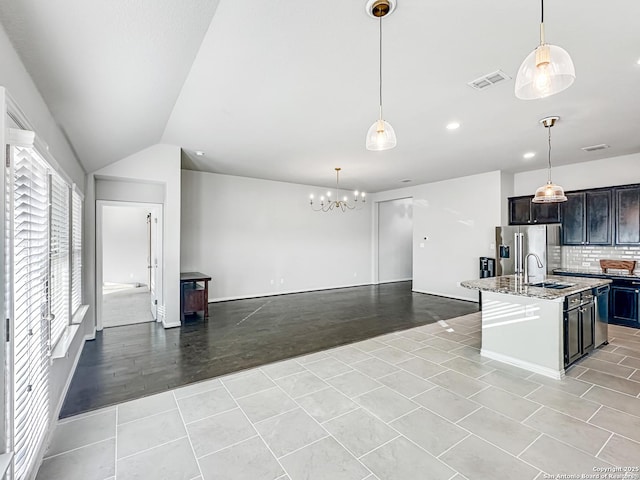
{"x":194,"y":293}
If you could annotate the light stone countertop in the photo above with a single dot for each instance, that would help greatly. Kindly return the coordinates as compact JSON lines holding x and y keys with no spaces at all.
{"x":614,"y":275}
{"x":513,"y":285}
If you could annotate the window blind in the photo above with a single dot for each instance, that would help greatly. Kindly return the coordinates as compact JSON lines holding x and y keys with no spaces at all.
{"x":59,"y":257}
{"x":76,"y":249}
{"x":29,"y":297}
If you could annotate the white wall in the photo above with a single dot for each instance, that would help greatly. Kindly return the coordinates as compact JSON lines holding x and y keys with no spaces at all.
{"x":395,"y":240}
{"x":259,"y":237}
{"x":125,"y":245}
{"x":453,"y":224}
{"x":128,"y":191}
{"x":159,"y":164}
{"x":607,"y":172}
{"x":20,"y":86}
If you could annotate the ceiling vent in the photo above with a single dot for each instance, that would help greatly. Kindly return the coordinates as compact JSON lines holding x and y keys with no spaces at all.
{"x":488,"y":80}
{"x":593,"y":148}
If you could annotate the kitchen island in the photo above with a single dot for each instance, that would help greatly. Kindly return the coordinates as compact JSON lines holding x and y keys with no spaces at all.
{"x":526,"y":325}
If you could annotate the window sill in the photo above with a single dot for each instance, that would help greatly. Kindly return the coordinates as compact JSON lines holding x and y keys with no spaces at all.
{"x":62,"y":347}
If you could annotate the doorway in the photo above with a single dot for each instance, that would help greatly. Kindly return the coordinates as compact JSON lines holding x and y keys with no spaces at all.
{"x":395,"y":240}
{"x":129,"y":273}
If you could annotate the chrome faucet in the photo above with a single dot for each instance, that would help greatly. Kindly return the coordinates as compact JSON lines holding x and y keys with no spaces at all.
{"x":526,"y":265}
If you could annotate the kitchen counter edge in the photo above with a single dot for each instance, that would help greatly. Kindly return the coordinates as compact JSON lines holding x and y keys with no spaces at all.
{"x":512,"y":285}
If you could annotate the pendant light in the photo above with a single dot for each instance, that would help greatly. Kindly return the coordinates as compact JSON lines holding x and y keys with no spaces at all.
{"x":381,"y":135}
{"x":546,"y":71}
{"x":549,"y":193}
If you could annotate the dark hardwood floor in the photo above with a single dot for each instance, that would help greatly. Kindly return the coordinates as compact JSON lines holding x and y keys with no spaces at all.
{"x":124,"y":363}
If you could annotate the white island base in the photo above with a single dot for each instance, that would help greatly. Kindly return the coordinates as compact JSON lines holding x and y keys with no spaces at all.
{"x":524,"y":331}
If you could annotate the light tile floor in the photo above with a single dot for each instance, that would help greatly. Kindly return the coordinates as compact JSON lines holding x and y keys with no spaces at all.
{"x":417,"y":404}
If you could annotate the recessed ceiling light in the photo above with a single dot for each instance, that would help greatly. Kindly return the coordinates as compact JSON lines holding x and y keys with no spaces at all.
{"x":199,"y":153}
{"x":453,"y":126}
{"x":638,"y":62}
{"x":529,"y":155}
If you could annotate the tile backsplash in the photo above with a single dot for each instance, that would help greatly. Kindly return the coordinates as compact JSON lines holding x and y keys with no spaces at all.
{"x":587,"y":257}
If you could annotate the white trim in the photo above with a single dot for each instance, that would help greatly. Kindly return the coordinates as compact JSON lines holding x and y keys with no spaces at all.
{"x":532,"y":367}
{"x":42,"y":147}
{"x":61,"y":350}
{"x":284,"y":292}
{"x":68,"y":383}
{"x":171,"y":325}
{"x":100,"y":204}
{"x":395,"y":280}
{"x":445,"y":295}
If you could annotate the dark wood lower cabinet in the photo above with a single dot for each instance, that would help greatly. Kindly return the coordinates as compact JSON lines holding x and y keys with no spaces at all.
{"x":579,"y":319}
{"x":624,"y":300}
{"x":572,"y":350}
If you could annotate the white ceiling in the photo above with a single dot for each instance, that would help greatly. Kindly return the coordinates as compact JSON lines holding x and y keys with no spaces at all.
{"x":286,"y":89}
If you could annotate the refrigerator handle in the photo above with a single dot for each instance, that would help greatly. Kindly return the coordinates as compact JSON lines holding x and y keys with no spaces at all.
{"x":516,"y":259}
{"x":521,"y":253}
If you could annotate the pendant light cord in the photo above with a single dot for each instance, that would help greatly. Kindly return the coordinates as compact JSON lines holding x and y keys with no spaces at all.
{"x":541,"y":11}
{"x":380,"y":72}
{"x":549,"y":128}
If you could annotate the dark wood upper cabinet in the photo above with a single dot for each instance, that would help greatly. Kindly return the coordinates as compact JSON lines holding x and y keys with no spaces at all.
{"x":573,"y":219}
{"x":586,"y":218}
{"x":598,"y":216}
{"x":627,"y":218}
{"x":545,"y":212}
{"x":599,"y":213}
{"x":522,"y":211}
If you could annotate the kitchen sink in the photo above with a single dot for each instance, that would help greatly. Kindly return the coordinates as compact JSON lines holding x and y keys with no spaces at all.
{"x":554,"y":285}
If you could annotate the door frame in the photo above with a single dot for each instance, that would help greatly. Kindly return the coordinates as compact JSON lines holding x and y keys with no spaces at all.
{"x":376,"y":249}
{"x":100,"y":204}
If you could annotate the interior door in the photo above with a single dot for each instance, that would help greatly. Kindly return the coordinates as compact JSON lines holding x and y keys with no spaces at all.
{"x":155,"y":261}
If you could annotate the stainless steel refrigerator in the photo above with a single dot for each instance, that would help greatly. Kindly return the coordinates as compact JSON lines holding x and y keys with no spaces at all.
{"x":514,"y":243}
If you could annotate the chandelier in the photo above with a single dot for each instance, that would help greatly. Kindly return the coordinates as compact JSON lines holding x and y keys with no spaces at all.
{"x":327,"y":204}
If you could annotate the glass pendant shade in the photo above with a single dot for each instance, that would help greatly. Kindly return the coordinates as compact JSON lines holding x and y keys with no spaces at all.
{"x":549,"y":193}
{"x":546,"y":71}
{"x":381,"y":136}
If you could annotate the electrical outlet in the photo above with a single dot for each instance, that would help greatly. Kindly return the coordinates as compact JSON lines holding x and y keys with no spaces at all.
{"x":586,"y":264}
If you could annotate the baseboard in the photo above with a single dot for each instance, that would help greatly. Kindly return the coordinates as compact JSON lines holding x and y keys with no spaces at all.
{"x":284,"y":292}
{"x":395,"y":280}
{"x":445,"y":295}
{"x":170,"y":325}
{"x":532,"y":367}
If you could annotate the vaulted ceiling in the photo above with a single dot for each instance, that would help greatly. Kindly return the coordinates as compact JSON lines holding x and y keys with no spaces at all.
{"x":286,"y":90}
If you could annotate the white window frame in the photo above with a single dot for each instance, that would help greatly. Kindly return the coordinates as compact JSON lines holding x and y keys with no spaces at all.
{"x":59,"y":258}
{"x":76,"y":249}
